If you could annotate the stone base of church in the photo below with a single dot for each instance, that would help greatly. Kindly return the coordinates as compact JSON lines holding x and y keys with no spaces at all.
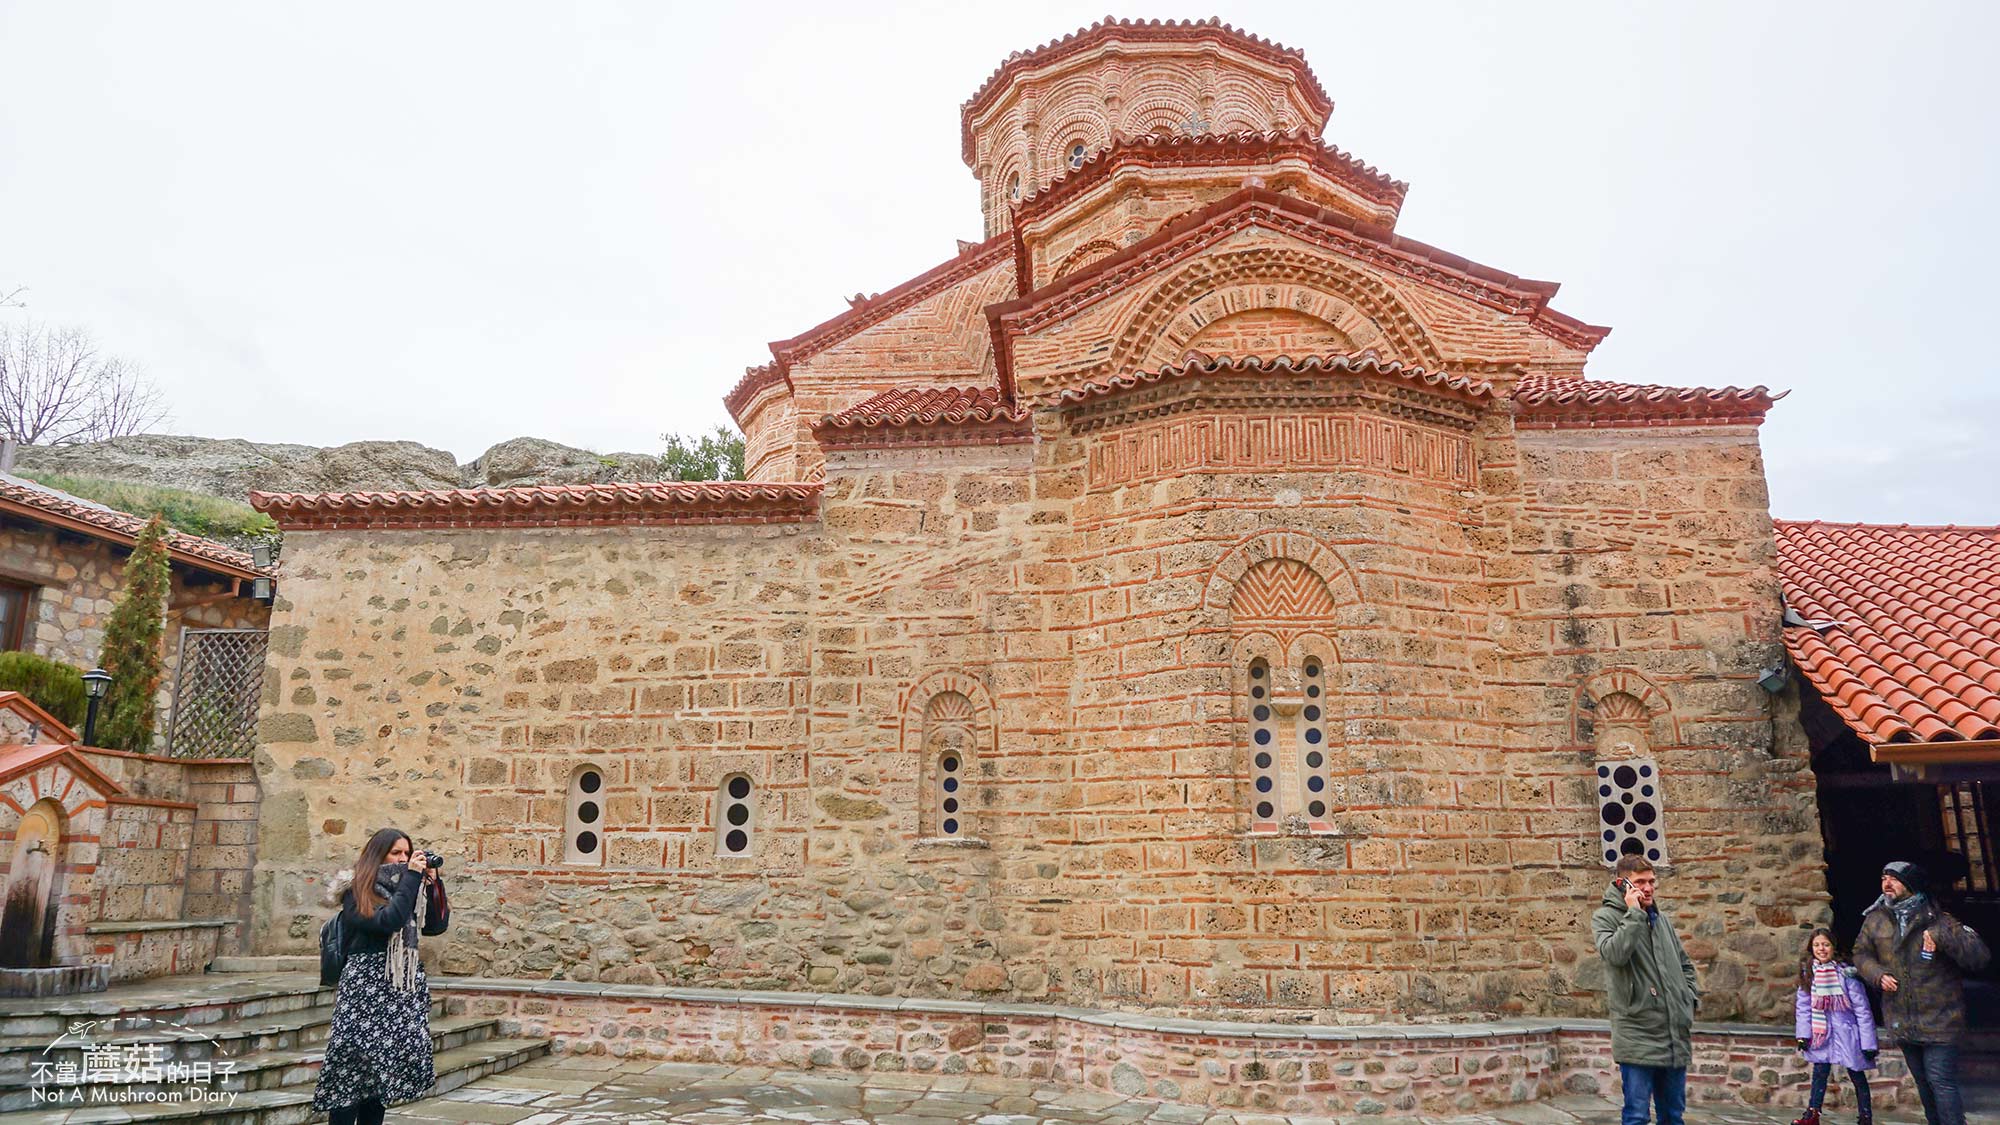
{"x":1297,"y":1069}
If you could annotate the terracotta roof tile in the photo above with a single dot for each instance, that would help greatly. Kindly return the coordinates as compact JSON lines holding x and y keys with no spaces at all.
{"x":1108,"y":29}
{"x":30,"y":499}
{"x":1573,"y":402}
{"x":574,"y":505}
{"x":927,"y":416}
{"x":1914,"y":651}
{"x":1362,"y":363}
{"x":1156,"y":150}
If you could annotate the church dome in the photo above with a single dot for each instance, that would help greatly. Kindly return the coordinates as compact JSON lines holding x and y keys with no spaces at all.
{"x":1046,"y":110}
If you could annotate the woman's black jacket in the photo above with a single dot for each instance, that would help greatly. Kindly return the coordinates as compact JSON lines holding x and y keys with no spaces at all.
{"x":370,"y":934}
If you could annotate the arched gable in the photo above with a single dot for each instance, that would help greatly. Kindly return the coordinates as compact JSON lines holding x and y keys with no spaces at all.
{"x":1211,"y":286}
{"x":917,"y":702}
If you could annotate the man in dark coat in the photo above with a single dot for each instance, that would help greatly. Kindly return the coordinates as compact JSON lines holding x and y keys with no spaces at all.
{"x":1651,"y":994}
{"x":1919,"y":956}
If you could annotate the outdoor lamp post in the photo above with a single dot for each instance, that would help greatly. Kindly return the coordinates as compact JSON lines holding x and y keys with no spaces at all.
{"x":96,"y":682}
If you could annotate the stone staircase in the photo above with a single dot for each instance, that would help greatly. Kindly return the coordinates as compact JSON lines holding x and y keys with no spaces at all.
{"x":266,"y":1029}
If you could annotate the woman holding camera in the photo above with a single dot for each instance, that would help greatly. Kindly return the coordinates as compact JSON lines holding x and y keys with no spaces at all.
{"x":378,"y":1053}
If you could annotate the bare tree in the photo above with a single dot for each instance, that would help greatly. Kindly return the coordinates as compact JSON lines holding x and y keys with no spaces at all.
{"x":56,"y":388}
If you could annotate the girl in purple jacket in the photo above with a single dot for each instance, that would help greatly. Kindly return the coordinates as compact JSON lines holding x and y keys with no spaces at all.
{"x":1834,"y":1025}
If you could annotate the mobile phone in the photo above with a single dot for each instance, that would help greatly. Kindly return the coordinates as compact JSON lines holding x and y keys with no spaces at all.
{"x":1622,"y":885}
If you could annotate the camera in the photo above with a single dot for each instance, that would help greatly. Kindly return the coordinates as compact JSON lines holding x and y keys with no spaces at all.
{"x":435,"y":861}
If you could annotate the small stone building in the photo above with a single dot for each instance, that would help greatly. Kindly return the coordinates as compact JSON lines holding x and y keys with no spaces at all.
{"x":1196,"y":597}
{"x":62,"y":567}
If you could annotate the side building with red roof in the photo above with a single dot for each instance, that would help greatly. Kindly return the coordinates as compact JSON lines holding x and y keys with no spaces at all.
{"x":62,"y":568}
{"x":1198,"y":596}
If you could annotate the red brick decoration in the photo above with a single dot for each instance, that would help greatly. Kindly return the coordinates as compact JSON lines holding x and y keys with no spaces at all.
{"x":1908,"y":645}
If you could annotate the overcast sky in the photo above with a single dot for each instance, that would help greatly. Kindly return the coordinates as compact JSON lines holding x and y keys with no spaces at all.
{"x":461,"y":223}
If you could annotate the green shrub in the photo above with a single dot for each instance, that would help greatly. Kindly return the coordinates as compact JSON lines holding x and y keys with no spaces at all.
{"x":54,"y":687}
{"x":193,"y":512}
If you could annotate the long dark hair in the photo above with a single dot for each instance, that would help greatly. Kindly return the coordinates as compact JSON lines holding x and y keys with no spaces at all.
{"x":366,"y":901}
{"x":1806,"y":960}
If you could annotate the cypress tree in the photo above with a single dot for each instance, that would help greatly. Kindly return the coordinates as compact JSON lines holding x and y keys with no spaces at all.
{"x":131,"y":651}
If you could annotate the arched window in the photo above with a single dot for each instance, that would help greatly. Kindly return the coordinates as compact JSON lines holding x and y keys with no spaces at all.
{"x":949,"y":745}
{"x":1076,"y":155}
{"x":736,"y":819}
{"x":1014,"y":188}
{"x":583,"y":818}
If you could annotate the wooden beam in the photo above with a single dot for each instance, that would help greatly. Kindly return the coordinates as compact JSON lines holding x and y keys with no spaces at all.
{"x":1957,"y":752}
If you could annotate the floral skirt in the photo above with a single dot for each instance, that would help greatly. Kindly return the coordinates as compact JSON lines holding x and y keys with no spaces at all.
{"x":380,"y":1045}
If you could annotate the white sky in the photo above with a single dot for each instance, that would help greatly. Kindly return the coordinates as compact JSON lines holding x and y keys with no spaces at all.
{"x":456,"y":223}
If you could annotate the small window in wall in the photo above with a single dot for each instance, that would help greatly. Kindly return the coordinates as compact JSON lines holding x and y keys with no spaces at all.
{"x":1630,"y":808}
{"x":949,"y":722}
{"x":583,"y":823}
{"x":1264,"y":749}
{"x":1076,"y":154}
{"x":15,"y":600}
{"x":737,"y":822}
{"x":1014,"y":187}
{"x":1314,"y":776}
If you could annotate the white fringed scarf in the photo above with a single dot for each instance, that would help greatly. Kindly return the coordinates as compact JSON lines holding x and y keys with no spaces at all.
{"x":403,"y":963}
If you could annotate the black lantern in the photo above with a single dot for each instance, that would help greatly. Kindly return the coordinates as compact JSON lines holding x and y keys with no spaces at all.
{"x":96,"y":683}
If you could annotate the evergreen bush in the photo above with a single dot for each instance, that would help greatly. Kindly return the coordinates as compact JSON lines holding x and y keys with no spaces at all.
{"x":131,"y":650}
{"x":53,"y":686}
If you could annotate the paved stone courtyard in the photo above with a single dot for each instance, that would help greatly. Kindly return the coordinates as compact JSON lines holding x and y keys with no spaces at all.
{"x":598,"y":1091}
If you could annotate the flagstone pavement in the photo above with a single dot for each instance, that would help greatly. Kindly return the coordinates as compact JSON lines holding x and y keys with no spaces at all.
{"x":573,"y":1090}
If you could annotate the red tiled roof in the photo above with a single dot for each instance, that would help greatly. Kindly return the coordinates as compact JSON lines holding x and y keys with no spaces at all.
{"x":1139,"y":31}
{"x":927,"y":416}
{"x":575,"y":505}
{"x":1363,"y":363}
{"x":753,"y":383}
{"x":1914,"y":651}
{"x":42,"y":504}
{"x":1561,"y":402}
{"x":1176,"y":150}
{"x":881,"y":306}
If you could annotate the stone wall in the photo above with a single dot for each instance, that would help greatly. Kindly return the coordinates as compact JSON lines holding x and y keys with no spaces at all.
{"x":1394,"y":1070}
{"x":1088,"y":622}
{"x":142,"y":860}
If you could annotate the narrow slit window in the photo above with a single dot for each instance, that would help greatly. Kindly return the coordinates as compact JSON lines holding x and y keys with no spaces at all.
{"x":583,"y":821}
{"x":736,"y":825}
{"x":1264,"y":749}
{"x":1315,"y":776}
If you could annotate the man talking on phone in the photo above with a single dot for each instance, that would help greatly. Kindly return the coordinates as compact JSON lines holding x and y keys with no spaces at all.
{"x":1652,"y":994}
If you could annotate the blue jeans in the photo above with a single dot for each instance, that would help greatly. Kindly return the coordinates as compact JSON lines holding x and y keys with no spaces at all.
{"x":1934,"y":1068}
{"x":1653,"y":1087}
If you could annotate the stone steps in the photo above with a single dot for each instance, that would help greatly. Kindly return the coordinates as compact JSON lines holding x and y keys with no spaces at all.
{"x":269,"y":1028}
{"x":292,"y":1104}
{"x":281,"y":964}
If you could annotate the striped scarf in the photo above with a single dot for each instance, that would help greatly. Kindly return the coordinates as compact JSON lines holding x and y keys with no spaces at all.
{"x":1829,"y":994}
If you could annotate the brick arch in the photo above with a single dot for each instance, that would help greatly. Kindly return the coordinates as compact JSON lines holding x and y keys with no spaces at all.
{"x":1323,"y":561}
{"x":1281,"y":590}
{"x":1272,"y":332}
{"x":1156,"y":332}
{"x":916,"y":706}
{"x":1085,"y":254}
{"x":1166,"y":114}
{"x":1614,"y":693}
{"x":1088,"y":125}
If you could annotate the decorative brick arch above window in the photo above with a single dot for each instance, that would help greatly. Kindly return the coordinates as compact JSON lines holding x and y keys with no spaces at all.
{"x":1320,"y":559}
{"x":1626,"y":697}
{"x":951,"y":727}
{"x":1084,"y":255}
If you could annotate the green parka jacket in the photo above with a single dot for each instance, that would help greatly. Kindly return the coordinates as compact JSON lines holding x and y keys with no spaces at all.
{"x":1928,"y":1005}
{"x":1651,"y":987}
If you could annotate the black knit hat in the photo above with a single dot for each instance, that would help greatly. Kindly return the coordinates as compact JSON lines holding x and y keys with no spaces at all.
{"x":1909,"y":874}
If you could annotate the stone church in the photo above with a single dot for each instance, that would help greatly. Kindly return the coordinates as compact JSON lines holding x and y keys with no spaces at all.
{"x":1195,"y":598}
